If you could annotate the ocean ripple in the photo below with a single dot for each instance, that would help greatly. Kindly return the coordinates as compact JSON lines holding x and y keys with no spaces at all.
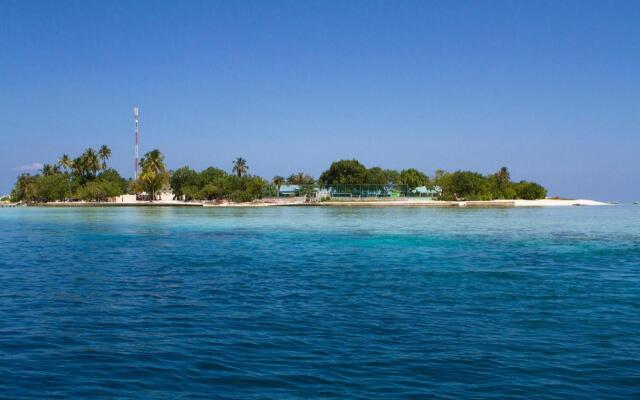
{"x":291,"y":303}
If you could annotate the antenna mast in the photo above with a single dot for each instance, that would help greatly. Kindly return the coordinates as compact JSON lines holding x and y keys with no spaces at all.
{"x":136,"y":114}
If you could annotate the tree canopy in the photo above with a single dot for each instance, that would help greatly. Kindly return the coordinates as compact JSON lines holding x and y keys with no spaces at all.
{"x":466,"y":185}
{"x":104,"y":153}
{"x":153,"y":175}
{"x":414,"y":178}
{"x":469,"y":185}
{"x":300,"y":179}
{"x":240,"y":167}
{"x":344,"y":172}
{"x":215,"y":184}
{"x":88,"y":177}
{"x":83,"y":177}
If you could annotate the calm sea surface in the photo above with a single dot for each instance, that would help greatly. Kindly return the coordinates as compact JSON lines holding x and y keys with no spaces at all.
{"x":320,"y":302}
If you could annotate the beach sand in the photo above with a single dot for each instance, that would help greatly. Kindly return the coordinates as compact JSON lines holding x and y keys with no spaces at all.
{"x":435,"y":203}
{"x":297,"y":201}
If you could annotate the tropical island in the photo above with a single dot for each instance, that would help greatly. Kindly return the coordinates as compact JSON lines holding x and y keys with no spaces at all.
{"x":88,"y":180}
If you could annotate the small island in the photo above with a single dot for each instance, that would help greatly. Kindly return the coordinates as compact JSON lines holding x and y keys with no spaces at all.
{"x":87,"y":180}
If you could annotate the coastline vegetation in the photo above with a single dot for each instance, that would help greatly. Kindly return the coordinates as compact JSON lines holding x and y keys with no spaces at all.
{"x":458,"y":185}
{"x":216,"y":184}
{"x":86,"y":177}
{"x":89,"y":178}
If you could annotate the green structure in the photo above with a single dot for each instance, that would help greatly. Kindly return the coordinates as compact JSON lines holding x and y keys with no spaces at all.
{"x":365,"y":190}
{"x":358,"y":191}
{"x":428,"y":192}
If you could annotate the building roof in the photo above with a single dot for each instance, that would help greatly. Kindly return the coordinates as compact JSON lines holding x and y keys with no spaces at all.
{"x":289,"y":188}
{"x":426,"y":190}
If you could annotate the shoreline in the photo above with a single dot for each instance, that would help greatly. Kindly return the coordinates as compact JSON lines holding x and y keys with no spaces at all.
{"x":298,"y":202}
{"x":463,"y":204}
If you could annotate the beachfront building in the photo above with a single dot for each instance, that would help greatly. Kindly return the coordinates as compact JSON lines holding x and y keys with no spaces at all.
{"x":289,"y":191}
{"x":365,"y":190}
{"x":358,"y":191}
{"x":165,"y":196}
{"x":431,"y":193}
{"x":377,"y":191}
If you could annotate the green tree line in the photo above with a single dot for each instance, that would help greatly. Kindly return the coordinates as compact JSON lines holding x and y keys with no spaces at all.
{"x":456,"y":185}
{"x":216,"y":184}
{"x":88,"y":177}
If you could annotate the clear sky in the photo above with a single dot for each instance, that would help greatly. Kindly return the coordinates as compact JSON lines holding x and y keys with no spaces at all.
{"x":549,"y":89}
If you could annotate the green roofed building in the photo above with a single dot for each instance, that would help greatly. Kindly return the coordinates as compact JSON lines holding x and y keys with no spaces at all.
{"x":423,"y":191}
{"x":366,"y":190}
{"x":359,"y":191}
{"x":289,"y":191}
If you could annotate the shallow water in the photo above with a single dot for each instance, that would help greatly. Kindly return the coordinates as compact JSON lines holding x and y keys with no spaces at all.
{"x":320,"y":302}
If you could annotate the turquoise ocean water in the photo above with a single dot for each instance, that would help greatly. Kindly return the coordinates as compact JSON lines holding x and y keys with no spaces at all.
{"x":320,"y":303}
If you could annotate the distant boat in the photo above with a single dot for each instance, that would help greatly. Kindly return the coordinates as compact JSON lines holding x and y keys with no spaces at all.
{"x":636,"y":202}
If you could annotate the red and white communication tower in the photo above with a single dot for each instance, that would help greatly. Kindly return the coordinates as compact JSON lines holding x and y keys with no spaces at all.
{"x":136,"y":114}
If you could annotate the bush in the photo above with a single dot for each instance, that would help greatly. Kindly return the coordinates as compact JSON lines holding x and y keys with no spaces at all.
{"x":99,"y":191}
{"x":241,"y":197}
{"x":192,"y":192}
{"x":215,"y":184}
{"x":182,"y":182}
{"x":50,"y":187}
{"x":255,"y":186}
{"x":211,"y":192}
{"x":530,"y":190}
{"x":414,"y":178}
{"x":474,"y":186}
{"x":468,"y":185}
{"x":112,"y":176}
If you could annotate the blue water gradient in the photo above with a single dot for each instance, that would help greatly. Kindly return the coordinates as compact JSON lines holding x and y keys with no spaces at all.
{"x":320,"y":303}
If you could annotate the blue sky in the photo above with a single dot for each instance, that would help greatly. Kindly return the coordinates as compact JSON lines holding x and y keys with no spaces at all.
{"x":549,"y":89}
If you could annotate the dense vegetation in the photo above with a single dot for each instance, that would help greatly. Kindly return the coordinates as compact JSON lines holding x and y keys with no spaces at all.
{"x":86,"y":177}
{"x":153,"y":174}
{"x":474,"y":186}
{"x":89,"y":178}
{"x":352,"y":172}
{"x":455,"y":185}
{"x":215,"y":184}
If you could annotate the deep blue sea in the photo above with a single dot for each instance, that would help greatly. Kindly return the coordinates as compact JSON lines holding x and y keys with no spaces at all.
{"x":301,"y":303}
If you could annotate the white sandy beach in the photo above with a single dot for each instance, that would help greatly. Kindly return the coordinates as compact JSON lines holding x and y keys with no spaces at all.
{"x":558,"y":202}
{"x":492,"y":203}
{"x":299,"y":201}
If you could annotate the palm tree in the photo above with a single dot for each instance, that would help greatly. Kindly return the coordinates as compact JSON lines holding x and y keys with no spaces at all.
{"x":48,"y":169}
{"x":240,"y":166}
{"x":104,"y":153}
{"x":503,"y":175}
{"x":65,"y":163}
{"x":23,"y":190}
{"x":154,"y":173}
{"x":278,"y":181}
{"x":91,"y":162}
{"x":153,"y":161}
{"x":300,"y":179}
{"x":77,"y":166}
